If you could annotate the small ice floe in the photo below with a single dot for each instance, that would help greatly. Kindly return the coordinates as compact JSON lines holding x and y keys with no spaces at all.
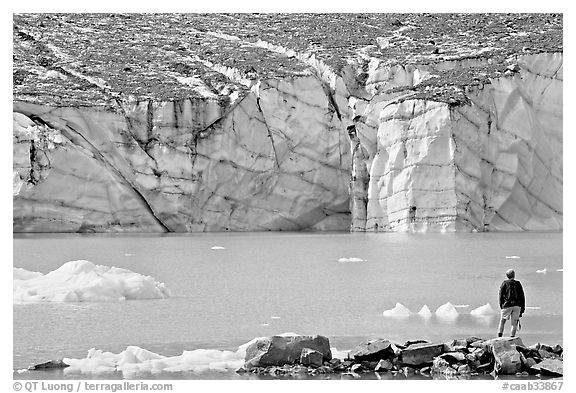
{"x":483,"y":311}
{"x":274,"y":317}
{"x":128,"y":255}
{"x":22,"y":370}
{"x":399,"y":311}
{"x":217,"y":248}
{"x":425,"y":312}
{"x":339,"y":354}
{"x":559,"y":270}
{"x":83,"y":281}
{"x":542,"y":271}
{"x":352,"y":259}
{"x":264,"y":324}
{"x":135,"y":361}
{"x":512,"y":257}
{"x":447,"y":312}
{"x":461,"y":305}
{"x":533,"y":308}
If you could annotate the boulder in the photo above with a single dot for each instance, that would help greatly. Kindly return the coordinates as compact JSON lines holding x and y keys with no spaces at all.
{"x":439,"y":365}
{"x":310,"y":357}
{"x":454,"y":357}
{"x":558,"y":350}
{"x":529,"y":364}
{"x":512,"y":340}
{"x":280,"y":350}
{"x":373,"y":350}
{"x":551,"y":367}
{"x":455,"y":345}
{"x":384,"y":365}
{"x":507,"y":359}
{"x":528,"y":352}
{"x":545,"y":354}
{"x":412,"y":342}
{"x":421,"y":354}
{"x":464,"y":369}
{"x":50,"y":364}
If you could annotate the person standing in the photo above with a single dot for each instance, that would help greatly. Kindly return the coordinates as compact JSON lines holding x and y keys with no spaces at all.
{"x":512,"y":303}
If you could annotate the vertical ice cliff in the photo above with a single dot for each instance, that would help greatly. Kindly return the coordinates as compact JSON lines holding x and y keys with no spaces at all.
{"x":217,"y":123}
{"x":494,"y":163}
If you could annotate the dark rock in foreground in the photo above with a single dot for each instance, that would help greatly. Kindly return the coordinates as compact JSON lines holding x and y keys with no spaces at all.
{"x":461,"y":358}
{"x":49,"y":364}
{"x":371,"y":350}
{"x":281,"y":350}
{"x":421,"y":354}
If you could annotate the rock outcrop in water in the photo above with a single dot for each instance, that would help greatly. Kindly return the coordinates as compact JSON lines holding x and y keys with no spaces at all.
{"x":428,"y":122}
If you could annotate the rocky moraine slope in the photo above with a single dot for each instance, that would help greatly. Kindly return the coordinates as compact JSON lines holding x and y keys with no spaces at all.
{"x":253,"y":122}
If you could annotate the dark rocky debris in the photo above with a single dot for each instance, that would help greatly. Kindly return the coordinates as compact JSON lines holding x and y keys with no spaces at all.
{"x":460,"y":358}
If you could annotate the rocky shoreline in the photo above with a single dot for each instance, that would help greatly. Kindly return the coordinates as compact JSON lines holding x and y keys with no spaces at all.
{"x":292,"y":356}
{"x":309,"y":357}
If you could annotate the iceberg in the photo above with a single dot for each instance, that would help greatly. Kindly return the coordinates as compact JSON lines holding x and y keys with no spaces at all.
{"x":425,"y":312}
{"x":352,"y":259}
{"x":135,"y":361}
{"x":483,"y":311}
{"x":23,"y":274}
{"x":447,"y":312}
{"x":543,"y":271}
{"x":84,"y":281}
{"x":399,"y":311}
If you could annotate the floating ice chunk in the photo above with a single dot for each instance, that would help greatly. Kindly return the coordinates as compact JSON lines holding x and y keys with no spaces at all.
{"x":23,"y":274}
{"x":352,"y":259}
{"x":559,"y":270}
{"x":461,"y":305}
{"x":512,"y":257}
{"x":543,"y":271}
{"x":425,"y":312}
{"x":399,"y":311}
{"x":447,"y":312}
{"x":482,"y":311}
{"x":128,"y":255}
{"x":533,"y":308}
{"x":83,"y":281}
{"x":264,"y":324}
{"x":274,"y":317}
{"x":136,"y":361}
{"x":339,"y":354}
{"x":217,"y":248}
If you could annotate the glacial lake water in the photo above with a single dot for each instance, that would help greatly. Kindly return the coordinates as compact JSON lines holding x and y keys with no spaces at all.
{"x":262,"y":284}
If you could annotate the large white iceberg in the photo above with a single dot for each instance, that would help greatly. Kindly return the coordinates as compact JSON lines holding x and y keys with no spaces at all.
{"x":83,"y":281}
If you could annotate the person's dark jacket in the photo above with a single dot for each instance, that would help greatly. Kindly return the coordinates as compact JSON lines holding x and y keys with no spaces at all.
{"x":512,"y":294}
